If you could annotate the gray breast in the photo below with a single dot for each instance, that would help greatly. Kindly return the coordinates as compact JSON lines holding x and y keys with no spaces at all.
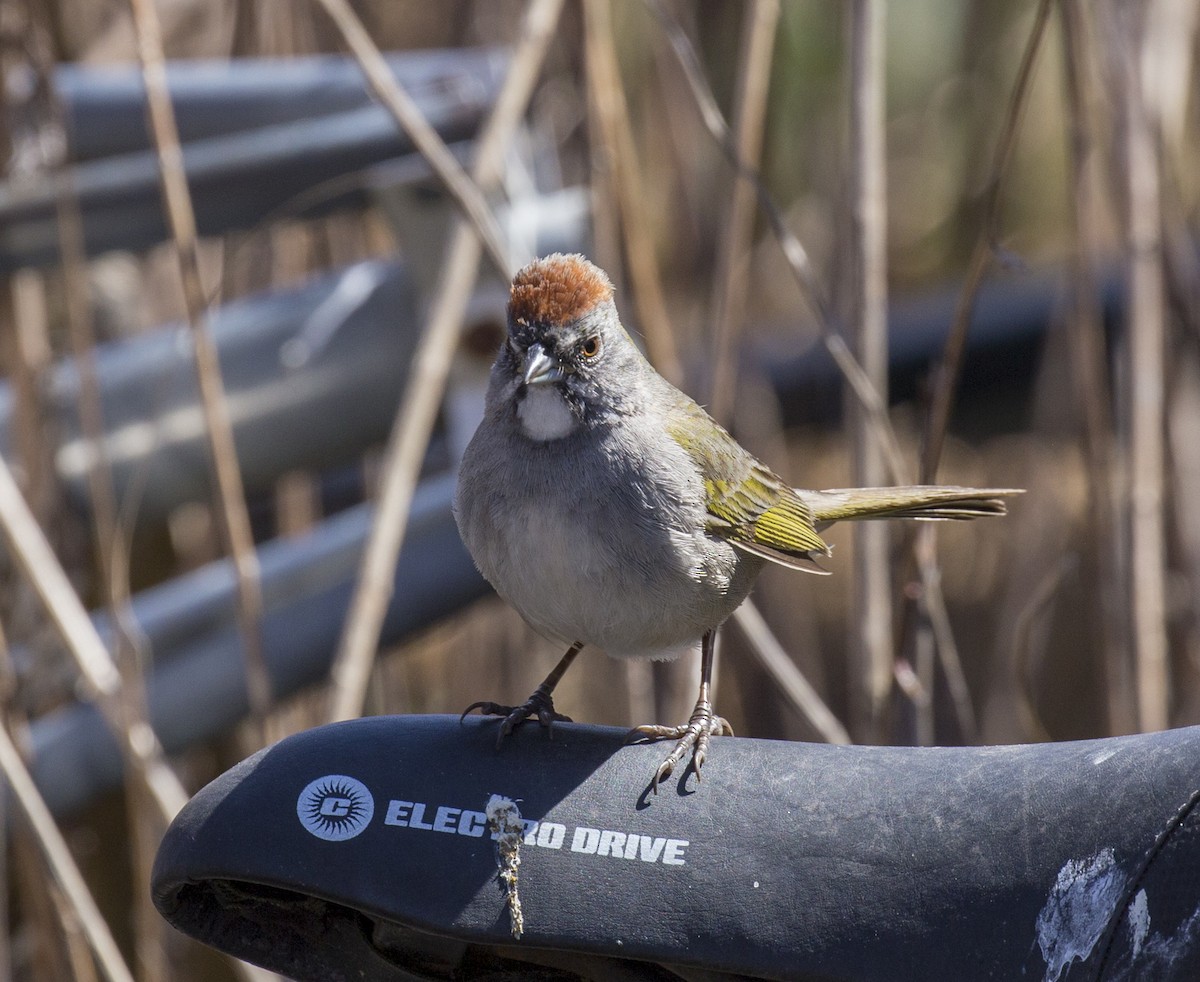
{"x":594,"y":541}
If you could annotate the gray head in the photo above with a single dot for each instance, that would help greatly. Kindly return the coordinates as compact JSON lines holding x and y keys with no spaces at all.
{"x":566,"y":361}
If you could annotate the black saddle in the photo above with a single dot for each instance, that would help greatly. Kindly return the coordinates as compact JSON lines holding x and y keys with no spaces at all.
{"x":363,"y":851}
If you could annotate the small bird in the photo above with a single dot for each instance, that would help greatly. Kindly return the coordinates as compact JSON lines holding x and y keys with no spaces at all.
{"x":610,"y":510}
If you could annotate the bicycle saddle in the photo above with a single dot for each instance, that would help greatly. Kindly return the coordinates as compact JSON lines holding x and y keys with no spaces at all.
{"x":365,"y":850}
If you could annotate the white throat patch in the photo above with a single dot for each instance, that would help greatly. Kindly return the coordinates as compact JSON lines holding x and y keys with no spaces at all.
{"x":544,"y":413}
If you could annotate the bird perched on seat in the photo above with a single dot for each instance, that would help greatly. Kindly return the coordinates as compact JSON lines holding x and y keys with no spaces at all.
{"x":610,"y":510}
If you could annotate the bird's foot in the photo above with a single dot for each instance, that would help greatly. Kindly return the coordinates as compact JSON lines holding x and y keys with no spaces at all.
{"x":539,"y":706}
{"x":692,"y":736}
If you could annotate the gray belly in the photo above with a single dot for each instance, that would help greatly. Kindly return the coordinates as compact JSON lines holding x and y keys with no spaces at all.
{"x":605,"y":557}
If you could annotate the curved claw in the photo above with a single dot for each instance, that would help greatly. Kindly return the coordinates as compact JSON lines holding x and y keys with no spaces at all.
{"x":664,"y":771}
{"x":693,"y":735}
{"x":548,"y":717}
{"x":485,"y":709}
{"x":539,"y":706}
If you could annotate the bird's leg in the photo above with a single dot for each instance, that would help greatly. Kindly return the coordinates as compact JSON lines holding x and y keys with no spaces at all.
{"x":540,"y":704}
{"x":694,"y":734}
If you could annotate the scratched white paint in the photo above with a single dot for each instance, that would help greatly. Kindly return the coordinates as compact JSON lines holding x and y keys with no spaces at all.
{"x":1077,"y":910}
{"x":1165,"y":958}
{"x":1139,"y":923}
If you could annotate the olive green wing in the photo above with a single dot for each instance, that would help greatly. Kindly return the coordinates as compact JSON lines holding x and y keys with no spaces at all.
{"x":748,"y":505}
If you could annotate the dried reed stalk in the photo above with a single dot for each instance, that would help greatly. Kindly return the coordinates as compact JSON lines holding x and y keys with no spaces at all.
{"x":426,"y":139}
{"x":25,"y":344}
{"x":946,"y":380}
{"x":232,"y":515}
{"x":1092,"y":387}
{"x":427,"y":377}
{"x":110,"y":544}
{"x":1144,"y":453}
{"x":62,"y":865}
{"x":871,"y":654}
{"x":727,"y":305}
{"x":1031,"y":613}
{"x":616,"y":137}
{"x":32,"y":553}
{"x":112,"y":560}
{"x":945,"y":385}
{"x":794,"y":252}
{"x":791,"y":681}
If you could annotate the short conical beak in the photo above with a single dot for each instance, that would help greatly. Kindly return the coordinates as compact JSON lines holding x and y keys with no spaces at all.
{"x":540,"y":367}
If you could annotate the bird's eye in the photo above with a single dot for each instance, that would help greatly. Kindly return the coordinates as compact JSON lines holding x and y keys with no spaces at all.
{"x":591,"y":347}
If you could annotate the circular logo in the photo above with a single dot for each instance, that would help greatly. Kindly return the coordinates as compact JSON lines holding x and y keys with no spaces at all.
{"x":335,"y":807}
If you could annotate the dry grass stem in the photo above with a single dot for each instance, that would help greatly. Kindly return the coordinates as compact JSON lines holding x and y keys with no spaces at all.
{"x":32,"y":553}
{"x":946,"y":379}
{"x":1023,"y":648}
{"x":112,"y":554}
{"x":1146,"y":352}
{"x":870,"y":646}
{"x":408,"y":116}
{"x":232,"y":514}
{"x":616,"y":165}
{"x":109,"y":541}
{"x":427,"y":378}
{"x":24,"y":339}
{"x":787,"y":676}
{"x":62,"y":864}
{"x":616,"y":137}
{"x":78,"y":953}
{"x":793,"y":251}
{"x":34,"y":883}
{"x":1093,"y":390}
{"x":760,"y":21}
{"x":946,"y":648}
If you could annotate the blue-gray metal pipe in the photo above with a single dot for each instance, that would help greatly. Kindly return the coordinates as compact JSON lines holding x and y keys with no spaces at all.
{"x":105,"y":106}
{"x":196,"y":687}
{"x":313,"y":375}
{"x":238,"y":176}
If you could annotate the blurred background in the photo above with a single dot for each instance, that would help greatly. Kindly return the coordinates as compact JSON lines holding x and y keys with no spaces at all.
{"x":939,"y":241}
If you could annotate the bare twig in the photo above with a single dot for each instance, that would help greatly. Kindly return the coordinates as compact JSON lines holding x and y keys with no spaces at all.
{"x":1022,"y":658}
{"x":109,"y":537}
{"x":871,"y":608}
{"x":409,"y":118}
{"x":61,"y":863}
{"x":1092,"y":387}
{"x":946,"y":384}
{"x":1184,"y":473}
{"x":616,"y":136}
{"x":231,"y":509}
{"x":760,"y":20}
{"x":924,"y":538}
{"x":933,"y":603}
{"x":26,"y":352}
{"x":78,"y":951}
{"x":787,"y":676}
{"x":1146,"y":353}
{"x":33,"y":882}
{"x":795,"y":253}
{"x":9,"y":830}
{"x":33,"y":554}
{"x":427,"y":378}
